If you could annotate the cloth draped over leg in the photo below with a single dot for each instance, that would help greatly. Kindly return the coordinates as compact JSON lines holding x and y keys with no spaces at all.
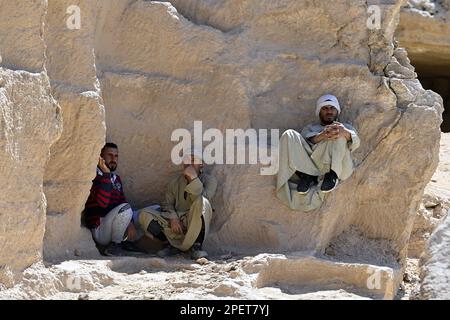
{"x":296,"y":154}
{"x":187,"y":201}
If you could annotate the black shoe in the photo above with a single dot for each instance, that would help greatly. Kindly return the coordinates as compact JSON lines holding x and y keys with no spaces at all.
{"x":197,"y":252}
{"x":305,"y":183}
{"x":330,"y":182}
{"x":101,"y":249}
{"x":114,"y":249}
{"x":132,"y":247}
{"x":168,"y":252}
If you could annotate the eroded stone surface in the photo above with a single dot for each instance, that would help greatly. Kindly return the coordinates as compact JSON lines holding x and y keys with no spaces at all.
{"x":159,"y":66}
{"x":436,"y":265}
{"x":30,"y":121}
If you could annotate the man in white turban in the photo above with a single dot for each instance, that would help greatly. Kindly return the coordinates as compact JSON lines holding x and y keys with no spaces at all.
{"x":320,"y":153}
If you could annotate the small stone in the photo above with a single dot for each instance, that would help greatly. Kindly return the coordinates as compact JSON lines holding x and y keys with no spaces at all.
{"x":226,"y":256}
{"x":202,"y":261}
{"x":83,"y":296}
{"x":431,"y":205}
{"x":329,"y":251}
{"x":77,"y":252}
{"x":230,"y":268}
{"x":142,"y":272}
{"x":406,"y":277}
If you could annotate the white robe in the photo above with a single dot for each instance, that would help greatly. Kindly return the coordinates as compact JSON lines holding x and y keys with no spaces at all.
{"x":297,"y":153}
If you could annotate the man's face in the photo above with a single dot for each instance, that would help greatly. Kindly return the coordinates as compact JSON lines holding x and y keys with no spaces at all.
{"x":328,"y":114}
{"x":111,"y":156}
{"x":197,"y":166}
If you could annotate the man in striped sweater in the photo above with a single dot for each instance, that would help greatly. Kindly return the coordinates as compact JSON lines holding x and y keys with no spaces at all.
{"x":107,"y":214}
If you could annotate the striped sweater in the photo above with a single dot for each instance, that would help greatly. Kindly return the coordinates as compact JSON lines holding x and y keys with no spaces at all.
{"x":106,"y":194}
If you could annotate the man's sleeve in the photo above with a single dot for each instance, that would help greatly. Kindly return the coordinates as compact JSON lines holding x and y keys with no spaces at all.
{"x":168,"y":206}
{"x":354,"y":143}
{"x":206,"y":189}
{"x":308,"y":133}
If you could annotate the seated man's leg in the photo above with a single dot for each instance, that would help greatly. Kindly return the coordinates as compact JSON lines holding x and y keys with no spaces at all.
{"x":153,"y":222}
{"x":341,"y":160}
{"x":330,"y":157}
{"x":295,"y":155}
{"x":196,"y":251}
{"x":155,"y":229}
{"x":305,"y":182}
{"x":108,"y":229}
{"x":120,"y":224}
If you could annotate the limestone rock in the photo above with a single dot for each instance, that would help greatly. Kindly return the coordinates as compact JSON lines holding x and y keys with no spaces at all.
{"x":431,"y":213}
{"x":423,"y":30}
{"x":247,"y":56}
{"x":21,"y":34}
{"x":30,"y":122}
{"x":436,"y":265}
{"x":71,"y":168}
{"x":144,"y":68}
{"x":68,"y":174}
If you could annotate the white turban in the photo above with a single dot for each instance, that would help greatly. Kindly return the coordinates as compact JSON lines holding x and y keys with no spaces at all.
{"x":327,"y":100}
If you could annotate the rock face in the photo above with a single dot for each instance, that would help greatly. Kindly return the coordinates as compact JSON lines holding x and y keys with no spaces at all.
{"x":72,"y":71}
{"x":432,"y":212}
{"x":160,"y":66}
{"x":435,"y":275}
{"x":271,"y":69}
{"x":265,"y":276}
{"x":423,"y":29}
{"x":30,"y":122}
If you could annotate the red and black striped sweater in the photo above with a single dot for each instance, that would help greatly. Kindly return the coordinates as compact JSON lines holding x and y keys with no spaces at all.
{"x":106,"y":194}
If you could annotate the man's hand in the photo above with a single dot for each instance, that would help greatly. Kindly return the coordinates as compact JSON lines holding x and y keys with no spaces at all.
{"x":102,"y":165}
{"x":331,"y":132}
{"x":190,"y":173}
{"x":342,"y":131}
{"x":328,"y":133}
{"x":131,"y":232}
{"x":175,"y":226}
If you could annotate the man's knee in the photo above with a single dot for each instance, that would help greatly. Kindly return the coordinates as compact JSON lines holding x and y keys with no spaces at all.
{"x":289,"y":132}
{"x":339,"y":142}
{"x":123,"y":209}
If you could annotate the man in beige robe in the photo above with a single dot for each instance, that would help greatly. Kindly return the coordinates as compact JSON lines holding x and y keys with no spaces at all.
{"x":313,"y":162}
{"x":186,"y":213}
